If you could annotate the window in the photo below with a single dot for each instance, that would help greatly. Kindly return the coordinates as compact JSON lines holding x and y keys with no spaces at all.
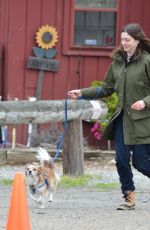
{"x":92,"y":26}
{"x":94,"y":29}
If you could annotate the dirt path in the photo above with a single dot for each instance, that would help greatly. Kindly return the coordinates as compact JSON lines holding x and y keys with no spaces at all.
{"x":85,"y":208}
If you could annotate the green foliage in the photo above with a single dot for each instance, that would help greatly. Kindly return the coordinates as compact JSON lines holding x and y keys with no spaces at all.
{"x":110,"y":101}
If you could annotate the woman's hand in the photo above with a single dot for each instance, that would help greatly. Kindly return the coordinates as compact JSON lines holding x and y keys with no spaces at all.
{"x":74,"y":94}
{"x":138,"y":105}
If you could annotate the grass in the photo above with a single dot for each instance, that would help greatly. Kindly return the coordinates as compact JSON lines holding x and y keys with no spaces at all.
{"x":107,"y":186}
{"x":81,"y":181}
{"x":6,"y":182}
{"x":71,"y":182}
{"x":74,"y":182}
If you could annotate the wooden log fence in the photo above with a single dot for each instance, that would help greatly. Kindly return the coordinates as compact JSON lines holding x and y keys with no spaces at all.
{"x":40,"y":112}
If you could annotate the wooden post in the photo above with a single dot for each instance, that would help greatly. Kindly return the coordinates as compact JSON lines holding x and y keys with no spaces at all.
{"x":39,"y":85}
{"x":73,"y":156}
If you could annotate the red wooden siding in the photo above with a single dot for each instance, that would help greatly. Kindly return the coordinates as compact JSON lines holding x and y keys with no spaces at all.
{"x":20,"y":20}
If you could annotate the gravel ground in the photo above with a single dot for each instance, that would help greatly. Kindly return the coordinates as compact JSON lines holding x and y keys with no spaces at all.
{"x":84,"y":208}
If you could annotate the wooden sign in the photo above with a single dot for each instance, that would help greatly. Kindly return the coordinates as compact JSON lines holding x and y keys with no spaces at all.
{"x":43,"y":64}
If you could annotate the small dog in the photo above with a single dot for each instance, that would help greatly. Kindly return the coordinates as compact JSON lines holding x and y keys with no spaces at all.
{"x":41,"y":178}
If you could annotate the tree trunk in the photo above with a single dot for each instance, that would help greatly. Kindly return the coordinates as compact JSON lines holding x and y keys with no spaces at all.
{"x":73,"y":156}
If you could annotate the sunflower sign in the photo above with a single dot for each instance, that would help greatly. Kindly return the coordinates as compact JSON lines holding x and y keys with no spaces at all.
{"x":43,"y":60}
{"x":46,"y":38}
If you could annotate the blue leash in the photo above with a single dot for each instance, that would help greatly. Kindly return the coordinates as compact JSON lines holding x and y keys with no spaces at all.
{"x":63,"y":134}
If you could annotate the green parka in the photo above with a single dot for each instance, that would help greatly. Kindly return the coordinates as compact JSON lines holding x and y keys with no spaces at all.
{"x":131,"y":82}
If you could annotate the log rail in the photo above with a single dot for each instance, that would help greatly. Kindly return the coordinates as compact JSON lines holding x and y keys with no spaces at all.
{"x":38,"y":112}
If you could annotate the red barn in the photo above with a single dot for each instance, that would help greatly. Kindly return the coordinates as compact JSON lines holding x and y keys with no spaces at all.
{"x":88,"y":31}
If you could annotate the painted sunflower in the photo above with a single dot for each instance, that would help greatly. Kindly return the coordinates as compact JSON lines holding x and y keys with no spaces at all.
{"x":46,"y":37}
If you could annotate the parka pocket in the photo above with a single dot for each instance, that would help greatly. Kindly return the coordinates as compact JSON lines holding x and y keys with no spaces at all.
{"x":141,"y":121}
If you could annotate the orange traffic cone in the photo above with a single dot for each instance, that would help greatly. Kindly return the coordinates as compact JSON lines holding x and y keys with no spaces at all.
{"x":18,"y":215}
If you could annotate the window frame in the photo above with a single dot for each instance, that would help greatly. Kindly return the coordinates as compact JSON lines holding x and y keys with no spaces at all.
{"x":68,"y":34}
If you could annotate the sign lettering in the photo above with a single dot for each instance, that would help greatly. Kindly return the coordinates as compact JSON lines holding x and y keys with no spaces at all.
{"x":43,"y":64}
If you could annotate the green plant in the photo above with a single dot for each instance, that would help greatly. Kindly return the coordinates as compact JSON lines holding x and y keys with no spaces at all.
{"x":111,"y":103}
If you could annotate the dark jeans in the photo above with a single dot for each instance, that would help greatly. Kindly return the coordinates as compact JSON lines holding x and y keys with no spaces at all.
{"x":140,"y":158}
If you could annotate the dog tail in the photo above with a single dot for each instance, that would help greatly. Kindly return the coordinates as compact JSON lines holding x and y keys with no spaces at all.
{"x":42,"y":155}
{"x":45,"y":159}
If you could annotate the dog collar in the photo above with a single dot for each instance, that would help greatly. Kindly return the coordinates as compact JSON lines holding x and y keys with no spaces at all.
{"x":40,"y":186}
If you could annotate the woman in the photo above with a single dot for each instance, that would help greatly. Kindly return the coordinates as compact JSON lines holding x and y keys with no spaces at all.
{"x":128,"y":76}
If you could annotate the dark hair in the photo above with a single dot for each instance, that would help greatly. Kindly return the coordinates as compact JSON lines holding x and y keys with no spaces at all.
{"x":136,"y":31}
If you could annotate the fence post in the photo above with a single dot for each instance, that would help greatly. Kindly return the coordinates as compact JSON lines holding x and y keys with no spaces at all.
{"x":73,"y":156}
